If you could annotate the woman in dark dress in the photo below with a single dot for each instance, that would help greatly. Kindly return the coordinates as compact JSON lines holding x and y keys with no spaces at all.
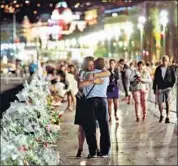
{"x":113,"y":90}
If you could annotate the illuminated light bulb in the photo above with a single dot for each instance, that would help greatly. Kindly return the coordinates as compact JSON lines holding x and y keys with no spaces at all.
{"x":14,"y":1}
{"x":35,"y":12}
{"x":2,"y":6}
{"x":38,"y":4}
{"x":51,"y":5}
{"x":27,"y":2}
{"x":17,"y":6}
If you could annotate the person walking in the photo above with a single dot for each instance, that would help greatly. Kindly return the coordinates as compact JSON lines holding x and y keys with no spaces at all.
{"x":139,"y":80}
{"x":113,"y":89}
{"x":164,"y":80}
{"x":125,"y":74}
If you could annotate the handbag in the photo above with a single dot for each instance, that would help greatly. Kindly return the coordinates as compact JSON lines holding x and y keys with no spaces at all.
{"x":80,"y":106}
{"x":133,"y":84}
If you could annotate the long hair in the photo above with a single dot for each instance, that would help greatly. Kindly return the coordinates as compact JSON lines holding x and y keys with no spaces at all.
{"x":86,"y":61}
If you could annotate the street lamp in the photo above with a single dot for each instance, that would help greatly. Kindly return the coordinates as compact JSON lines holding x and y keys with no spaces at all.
{"x":141,"y":22}
{"x":163,"y":21}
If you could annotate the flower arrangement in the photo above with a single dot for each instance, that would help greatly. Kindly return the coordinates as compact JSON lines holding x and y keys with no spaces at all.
{"x":30,"y":127}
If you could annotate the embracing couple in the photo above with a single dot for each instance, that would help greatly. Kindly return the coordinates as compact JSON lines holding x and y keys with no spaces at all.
{"x":93,"y":82}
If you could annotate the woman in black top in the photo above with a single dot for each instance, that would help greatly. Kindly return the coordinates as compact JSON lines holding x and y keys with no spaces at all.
{"x":113,"y":90}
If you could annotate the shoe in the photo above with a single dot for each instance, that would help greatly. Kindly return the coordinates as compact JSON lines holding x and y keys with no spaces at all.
{"x":161,"y":118}
{"x":167,"y":120}
{"x":79,"y":153}
{"x":98,"y":152}
{"x":138,"y":119}
{"x":91,"y":156}
{"x":105,"y":155}
{"x":144,"y":118}
{"x":116,"y":118}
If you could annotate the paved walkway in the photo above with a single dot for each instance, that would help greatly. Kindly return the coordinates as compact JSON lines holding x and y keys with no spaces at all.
{"x":132,"y":143}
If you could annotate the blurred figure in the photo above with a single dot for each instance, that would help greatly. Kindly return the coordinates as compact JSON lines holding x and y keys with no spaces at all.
{"x":148,"y":67}
{"x":33,"y":67}
{"x":132,"y":66}
{"x":73,"y":87}
{"x":139,"y":80}
{"x":113,"y":89}
{"x":125,"y":74}
{"x":163,"y":83}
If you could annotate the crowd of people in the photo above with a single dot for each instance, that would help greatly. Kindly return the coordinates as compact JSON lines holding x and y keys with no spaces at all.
{"x":94,"y":89}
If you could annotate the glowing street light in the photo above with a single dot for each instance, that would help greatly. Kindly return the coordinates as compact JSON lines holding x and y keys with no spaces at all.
{"x":163,"y":21}
{"x":140,"y":25}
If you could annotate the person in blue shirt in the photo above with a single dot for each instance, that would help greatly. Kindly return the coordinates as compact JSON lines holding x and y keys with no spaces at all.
{"x":87,"y":66}
{"x":32,"y":68}
{"x":97,"y":109}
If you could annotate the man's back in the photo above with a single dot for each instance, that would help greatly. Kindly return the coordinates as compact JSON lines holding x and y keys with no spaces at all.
{"x":98,"y":90}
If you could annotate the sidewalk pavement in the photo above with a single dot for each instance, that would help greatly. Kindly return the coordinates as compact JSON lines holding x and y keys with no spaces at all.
{"x":132,"y":143}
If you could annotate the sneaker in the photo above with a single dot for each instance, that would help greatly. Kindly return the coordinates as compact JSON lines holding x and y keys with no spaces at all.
{"x":161,"y":118}
{"x":167,"y":120}
{"x":79,"y":153}
{"x":91,"y":156}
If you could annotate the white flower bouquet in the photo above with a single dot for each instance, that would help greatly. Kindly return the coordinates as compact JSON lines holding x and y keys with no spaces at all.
{"x":27,"y":128}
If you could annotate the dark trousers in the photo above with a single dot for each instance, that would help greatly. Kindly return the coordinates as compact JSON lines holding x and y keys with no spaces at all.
{"x":97,"y":109}
{"x":125,"y":89}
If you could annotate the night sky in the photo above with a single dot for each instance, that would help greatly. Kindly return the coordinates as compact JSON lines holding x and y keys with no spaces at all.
{"x":37,"y":7}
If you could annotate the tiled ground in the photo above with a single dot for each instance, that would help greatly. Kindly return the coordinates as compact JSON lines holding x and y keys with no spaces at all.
{"x":132,"y":143}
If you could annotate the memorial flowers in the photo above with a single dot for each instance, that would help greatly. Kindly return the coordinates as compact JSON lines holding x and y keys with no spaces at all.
{"x":28,"y":134}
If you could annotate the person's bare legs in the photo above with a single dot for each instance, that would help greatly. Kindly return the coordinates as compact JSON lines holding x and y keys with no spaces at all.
{"x":167,"y":112}
{"x":161,"y":111}
{"x":69,"y":101}
{"x":129,"y":99}
{"x":115,"y":108}
{"x":167,"y":109}
{"x":136,"y":96}
{"x":98,"y":137}
{"x":144,"y":97}
{"x":73,"y":101}
{"x":81,"y":140}
{"x":109,"y":108}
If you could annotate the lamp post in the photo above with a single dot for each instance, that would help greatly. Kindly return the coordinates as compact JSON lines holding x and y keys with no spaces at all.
{"x":163,"y":21}
{"x":141,"y":22}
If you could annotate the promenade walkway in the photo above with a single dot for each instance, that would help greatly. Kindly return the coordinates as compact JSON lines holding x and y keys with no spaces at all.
{"x":132,"y":143}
